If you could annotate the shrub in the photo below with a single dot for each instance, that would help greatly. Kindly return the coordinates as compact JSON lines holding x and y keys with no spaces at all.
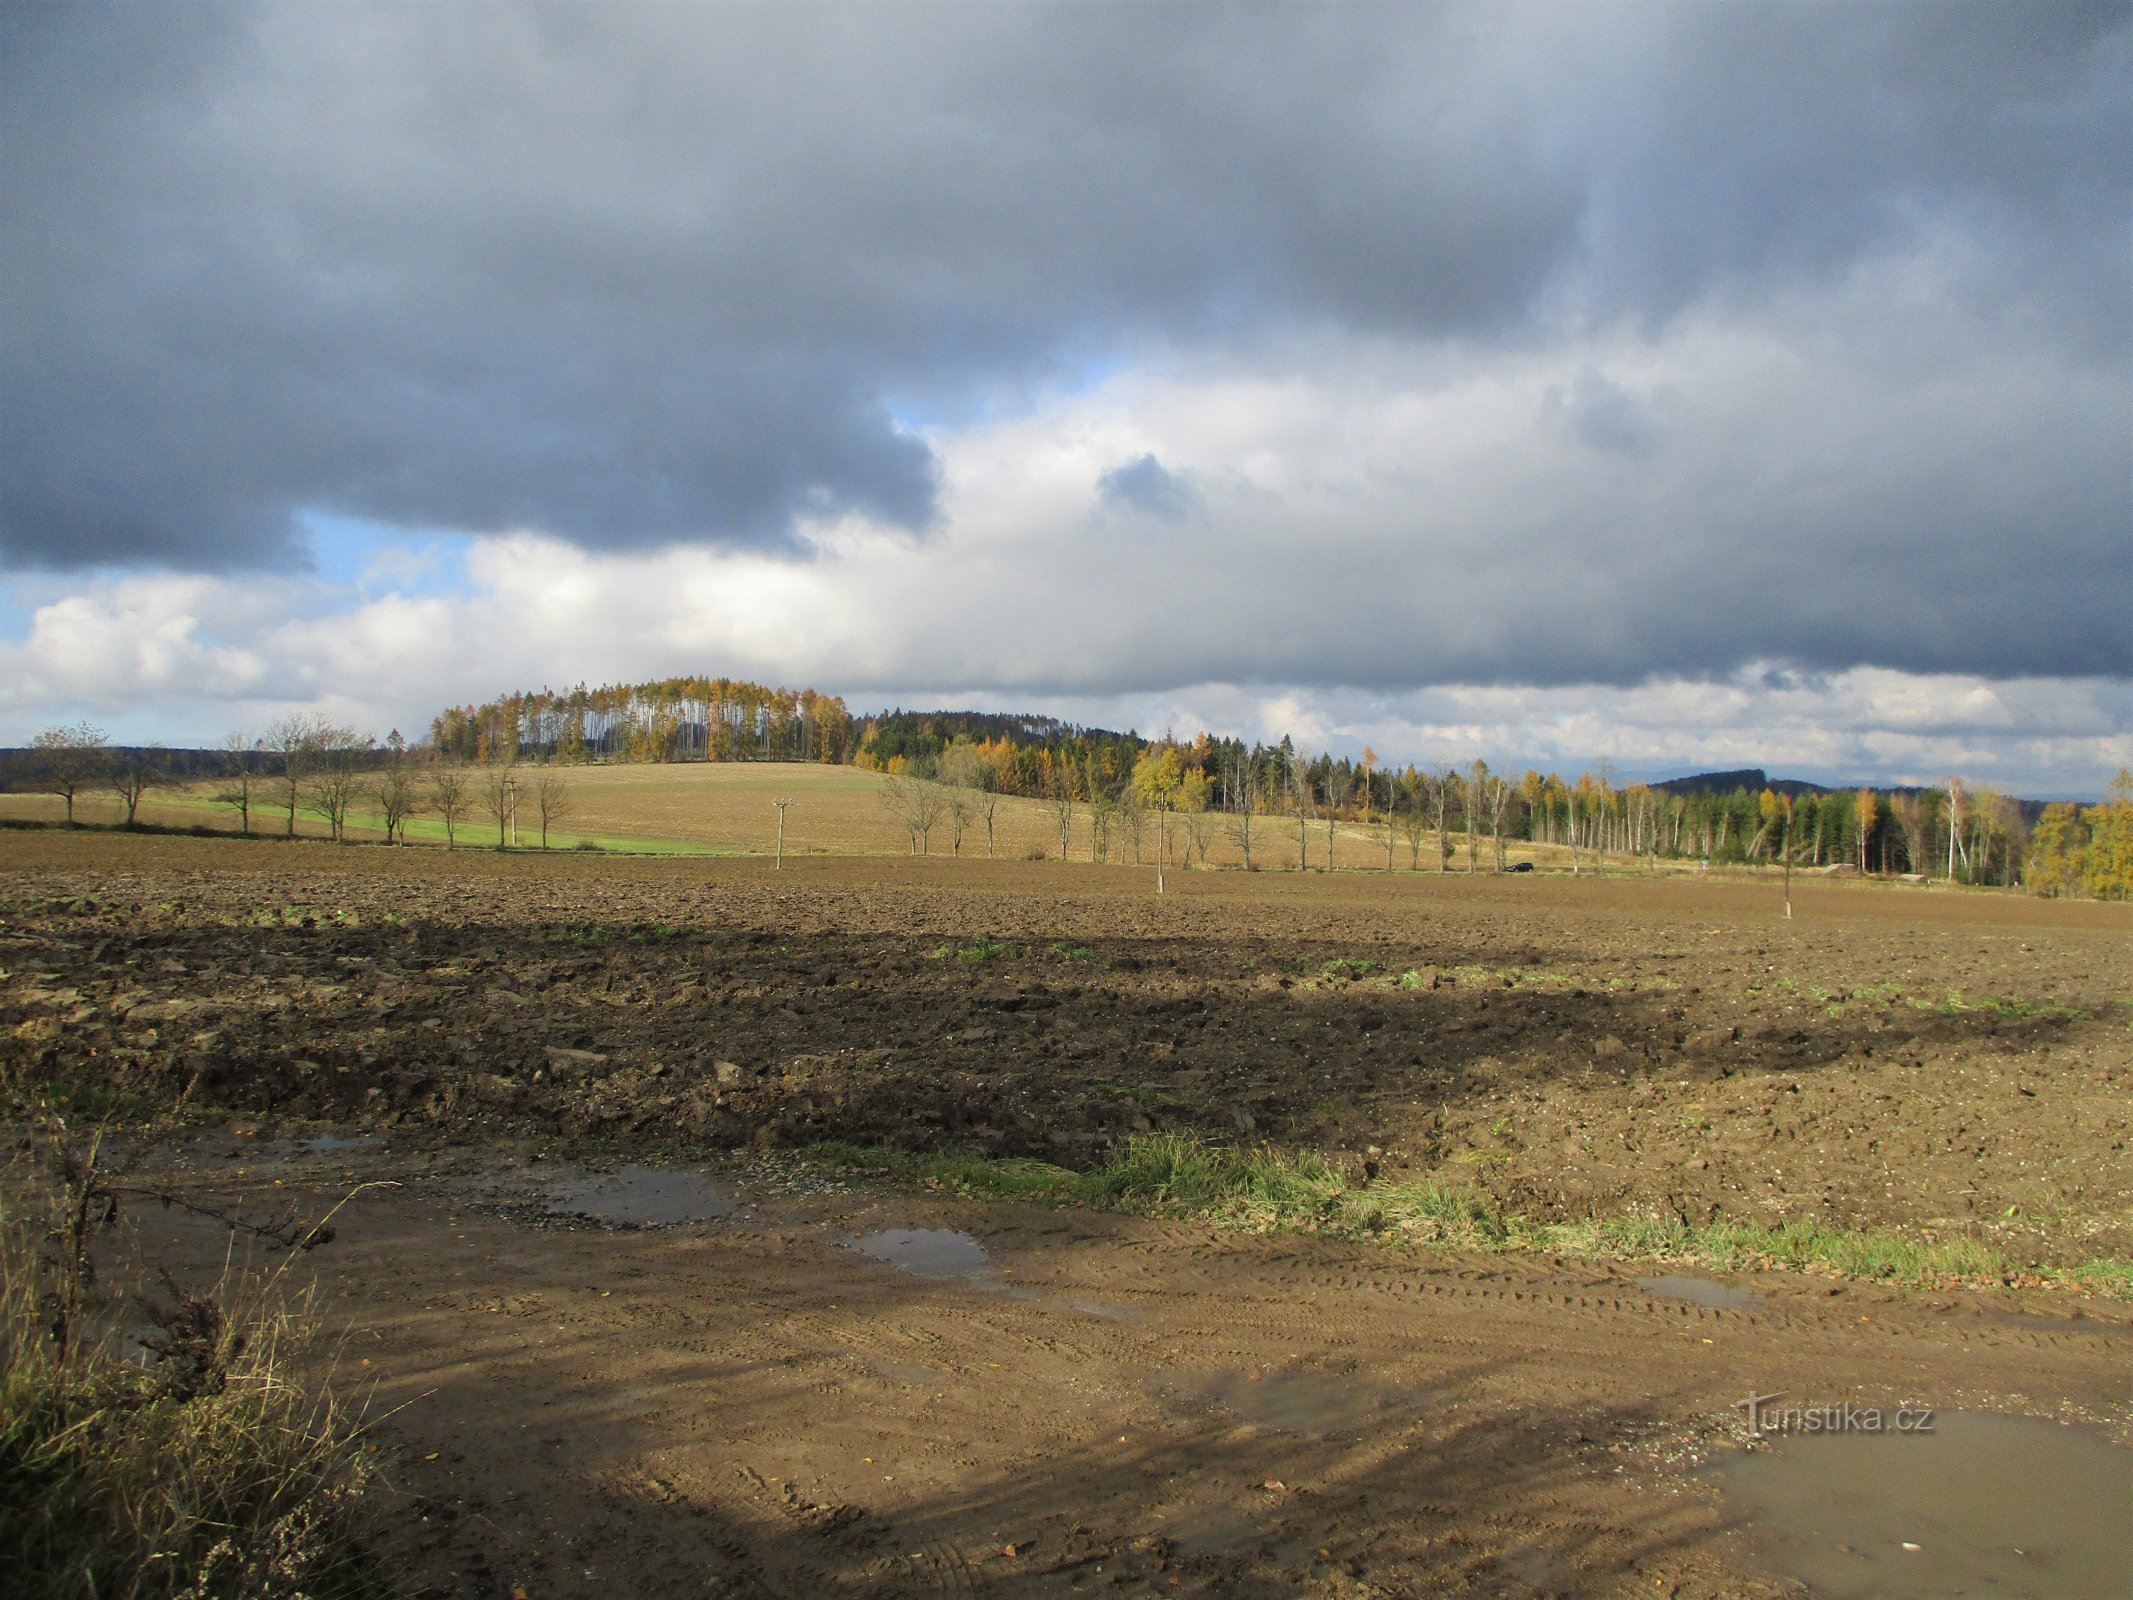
{"x":206,"y":1473}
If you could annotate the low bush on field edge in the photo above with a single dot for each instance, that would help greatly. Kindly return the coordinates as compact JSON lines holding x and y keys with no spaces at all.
{"x":207,"y":1471}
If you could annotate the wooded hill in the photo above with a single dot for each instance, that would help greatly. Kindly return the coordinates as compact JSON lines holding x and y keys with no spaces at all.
{"x":1959,"y":830}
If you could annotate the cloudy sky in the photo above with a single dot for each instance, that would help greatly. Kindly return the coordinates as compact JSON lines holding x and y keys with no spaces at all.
{"x":1683,"y":386}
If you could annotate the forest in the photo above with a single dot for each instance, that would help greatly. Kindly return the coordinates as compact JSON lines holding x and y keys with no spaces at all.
{"x":1955,"y":830}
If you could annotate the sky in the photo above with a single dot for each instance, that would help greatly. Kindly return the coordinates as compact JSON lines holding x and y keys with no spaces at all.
{"x":1682,"y":386}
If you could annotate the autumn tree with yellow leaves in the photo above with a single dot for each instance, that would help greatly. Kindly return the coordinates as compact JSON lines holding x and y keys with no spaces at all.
{"x":2085,"y":850}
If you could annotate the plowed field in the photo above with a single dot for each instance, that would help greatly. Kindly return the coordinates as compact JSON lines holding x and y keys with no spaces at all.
{"x":746,"y":1404}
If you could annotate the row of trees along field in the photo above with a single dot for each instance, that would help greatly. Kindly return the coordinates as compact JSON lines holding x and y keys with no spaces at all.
{"x":307,"y":765}
{"x":1104,"y":788}
{"x":674,"y":719}
{"x":1470,"y":815}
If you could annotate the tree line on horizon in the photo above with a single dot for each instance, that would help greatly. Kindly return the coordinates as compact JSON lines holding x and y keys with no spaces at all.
{"x":1961,"y":831}
{"x":950,"y":768}
{"x":670,"y":719}
{"x":307,"y":764}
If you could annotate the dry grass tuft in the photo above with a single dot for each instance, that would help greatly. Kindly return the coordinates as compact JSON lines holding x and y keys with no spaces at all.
{"x":185,"y":1462}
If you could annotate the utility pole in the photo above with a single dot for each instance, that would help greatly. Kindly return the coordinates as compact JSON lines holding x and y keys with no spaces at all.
{"x":1786,"y":846}
{"x":778,"y":861}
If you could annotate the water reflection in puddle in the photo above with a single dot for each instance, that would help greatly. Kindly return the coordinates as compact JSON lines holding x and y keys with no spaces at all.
{"x":1983,"y":1505}
{"x":329,"y":1144}
{"x":631,"y":1197}
{"x":928,"y":1252}
{"x":2094,"y":1327}
{"x":1703,"y":1291}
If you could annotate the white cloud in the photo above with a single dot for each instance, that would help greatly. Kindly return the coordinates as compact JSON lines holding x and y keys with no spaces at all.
{"x":1508,"y":555}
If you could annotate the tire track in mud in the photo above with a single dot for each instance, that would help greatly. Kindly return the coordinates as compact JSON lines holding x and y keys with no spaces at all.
{"x":1521,"y":1405}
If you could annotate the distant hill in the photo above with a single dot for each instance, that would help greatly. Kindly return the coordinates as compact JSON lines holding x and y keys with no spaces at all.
{"x":1753,"y":779}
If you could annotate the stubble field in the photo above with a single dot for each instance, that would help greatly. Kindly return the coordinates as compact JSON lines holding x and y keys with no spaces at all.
{"x":726,"y":808}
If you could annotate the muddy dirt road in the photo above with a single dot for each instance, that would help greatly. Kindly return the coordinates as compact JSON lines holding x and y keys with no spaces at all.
{"x":823,"y":1389}
{"x":797,"y":1383}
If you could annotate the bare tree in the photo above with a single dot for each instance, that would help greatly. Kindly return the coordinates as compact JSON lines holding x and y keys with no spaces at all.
{"x":1910,"y":819}
{"x":499,"y":797}
{"x":132,"y":774}
{"x":70,"y":760}
{"x":296,"y":740}
{"x":1300,"y":782}
{"x":1244,"y":801}
{"x":552,"y":798}
{"x":238,"y":782}
{"x":918,"y":805}
{"x":1414,"y":816}
{"x":1103,"y":811}
{"x":449,"y":797}
{"x":1133,"y":819}
{"x":1785,"y":845}
{"x":1443,"y":787}
{"x":1476,"y":776}
{"x":1500,"y":792}
{"x":1340,"y":785}
{"x":960,"y":814}
{"x":1062,"y":799}
{"x":974,"y":789}
{"x":1200,"y":822}
{"x":338,"y":776}
{"x":398,"y":795}
{"x":928,"y":807}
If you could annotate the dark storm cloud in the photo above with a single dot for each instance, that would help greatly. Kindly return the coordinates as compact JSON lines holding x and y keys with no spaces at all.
{"x":1147,"y":486}
{"x":636,"y":275}
{"x":1600,"y":413}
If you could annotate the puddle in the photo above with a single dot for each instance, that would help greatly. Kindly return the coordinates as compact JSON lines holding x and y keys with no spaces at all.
{"x":327,"y":1144}
{"x":1293,"y":1402}
{"x":1704,"y":1291}
{"x":2095,"y":1326}
{"x":928,"y":1252}
{"x":1985,"y":1504}
{"x":632,"y":1197}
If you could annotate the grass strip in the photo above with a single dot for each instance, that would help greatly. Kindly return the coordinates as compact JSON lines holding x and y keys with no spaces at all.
{"x":1263,"y":1189}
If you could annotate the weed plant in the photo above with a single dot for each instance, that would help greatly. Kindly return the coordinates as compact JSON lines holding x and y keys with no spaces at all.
{"x":1262,"y":1188}
{"x":183,"y":1462}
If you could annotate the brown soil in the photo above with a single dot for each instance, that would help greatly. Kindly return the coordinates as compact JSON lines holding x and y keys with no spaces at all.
{"x":753,"y":1407}
{"x":750,"y":1406}
{"x":1887,"y":1057}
